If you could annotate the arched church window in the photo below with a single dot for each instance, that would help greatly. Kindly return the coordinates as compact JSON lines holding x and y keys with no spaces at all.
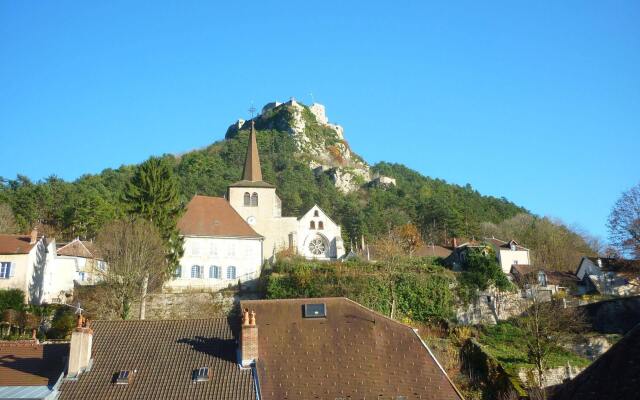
{"x":320,"y":225}
{"x":254,"y":199}
{"x":317,"y":247}
{"x":312,"y":225}
{"x":315,"y":213}
{"x":247,"y":199}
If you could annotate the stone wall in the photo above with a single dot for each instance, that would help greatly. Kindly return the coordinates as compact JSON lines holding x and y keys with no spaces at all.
{"x":614,"y":316}
{"x":490,"y":307}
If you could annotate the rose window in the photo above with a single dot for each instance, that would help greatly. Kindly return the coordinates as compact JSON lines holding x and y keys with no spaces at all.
{"x":317,"y":247}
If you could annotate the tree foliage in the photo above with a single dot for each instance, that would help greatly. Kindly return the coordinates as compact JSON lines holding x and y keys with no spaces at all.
{"x":624,"y":223}
{"x":7,"y":220}
{"x":482,"y":271}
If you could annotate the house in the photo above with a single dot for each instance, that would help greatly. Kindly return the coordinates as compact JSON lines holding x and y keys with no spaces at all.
{"x":327,"y":348}
{"x":26,"y":263}
{"x":609,"y":276}
{"x":31,"y":370}
{"x":614,"y":375}
{"x":509,"y":253}
{"x":220,"y":247}
{"x":334,"y":348}
{"x":548,"y":283}
{"x":226,"y":240}
{"x":78,"y":259}
{"x":459,"y":252}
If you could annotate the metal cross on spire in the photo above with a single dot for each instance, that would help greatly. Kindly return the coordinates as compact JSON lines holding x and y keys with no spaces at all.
{"x":252,"y":110}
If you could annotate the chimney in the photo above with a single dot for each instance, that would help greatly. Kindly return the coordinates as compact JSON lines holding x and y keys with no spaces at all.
{"x":80,"y":348}
{"x":455,"y":242}
{"x":599,"y":262}
{"x":34,"y":236}
{"x":248,"y":339}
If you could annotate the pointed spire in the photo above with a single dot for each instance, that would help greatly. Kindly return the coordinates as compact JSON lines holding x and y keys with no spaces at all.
{"x":252,"y":170}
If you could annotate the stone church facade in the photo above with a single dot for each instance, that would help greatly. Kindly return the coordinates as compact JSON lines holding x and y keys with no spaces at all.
{"x":228,"y":240}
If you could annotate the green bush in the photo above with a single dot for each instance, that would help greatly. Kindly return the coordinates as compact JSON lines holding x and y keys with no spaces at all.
{"x":11,"y":298}
{"x":63,"y":323}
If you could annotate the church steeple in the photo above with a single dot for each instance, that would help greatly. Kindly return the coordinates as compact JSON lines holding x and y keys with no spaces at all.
{"x":252,"y":171}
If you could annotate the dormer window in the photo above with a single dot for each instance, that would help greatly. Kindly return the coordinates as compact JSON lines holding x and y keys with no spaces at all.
{"x":201,"y":374}
{"x":124,"y":377}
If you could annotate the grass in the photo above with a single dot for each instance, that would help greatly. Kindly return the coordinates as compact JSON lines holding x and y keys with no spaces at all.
{"x":506,"y":342}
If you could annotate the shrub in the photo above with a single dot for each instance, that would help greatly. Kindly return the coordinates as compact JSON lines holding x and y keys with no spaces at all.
{"x":11,"y":299}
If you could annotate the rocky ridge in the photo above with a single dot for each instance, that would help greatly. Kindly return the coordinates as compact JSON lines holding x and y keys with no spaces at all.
{"x":320,"y":143}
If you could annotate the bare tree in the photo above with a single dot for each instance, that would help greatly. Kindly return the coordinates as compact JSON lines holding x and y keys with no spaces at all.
{"x":548,"y":324}
{"x":7,"y":220}
{"x":390,"y":252}
{"x":624,"y":223}
{"x":134,"y":253}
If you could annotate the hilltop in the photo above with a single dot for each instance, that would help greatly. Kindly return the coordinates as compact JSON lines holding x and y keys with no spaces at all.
{"x":304,"y":155}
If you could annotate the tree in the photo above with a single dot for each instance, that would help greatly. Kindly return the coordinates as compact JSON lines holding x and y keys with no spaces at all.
{"x":134,"y":253}
{"x":548,"y":324}
{"x":409,"y":238}
{"x":624,"y":223}
{"x":7,"y":220}
{"x":152,"y":194}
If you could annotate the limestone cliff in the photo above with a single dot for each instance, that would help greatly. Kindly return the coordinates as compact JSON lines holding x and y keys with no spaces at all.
{"x":319,"y":143}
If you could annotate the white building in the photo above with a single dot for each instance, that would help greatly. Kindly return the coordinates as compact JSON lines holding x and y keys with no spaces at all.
{"x":227,"y":241}
{"x":26,"y":263}
{"x":78,"y":262}
{"x":509,"y":253}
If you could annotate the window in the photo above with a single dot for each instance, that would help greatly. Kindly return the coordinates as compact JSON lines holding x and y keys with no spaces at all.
{"x":196,"y":271}
{"x":82,"y":276}
{"x":317,"y":247}
{"x":515,"y":262}
{"x":201,"y":374}
{"x":315,"y":213}
{"x":231,"y":272}
{"x":6,"y":271}
{"x":320,"y":225}
{"x":254,"y":199}
{"x":123,"y":377}
{"x":312,"y":225}
{"x":177,"y":273}
{"x":315,"y":310}
{"x":247,"y":199}
{"x":214,"y":272}
{"x":542,"y":278}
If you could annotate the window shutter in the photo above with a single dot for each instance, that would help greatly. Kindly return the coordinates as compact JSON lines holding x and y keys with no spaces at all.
{"x":12,"y":269}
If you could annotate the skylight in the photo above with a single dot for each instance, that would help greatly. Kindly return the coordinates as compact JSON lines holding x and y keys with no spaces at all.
{"x":315,"y":310}
{"x":123,"y":377}
{"x":201,"y":374}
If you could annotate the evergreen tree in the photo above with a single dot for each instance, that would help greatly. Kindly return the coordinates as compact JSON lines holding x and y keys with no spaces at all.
{"x":152,"y":194}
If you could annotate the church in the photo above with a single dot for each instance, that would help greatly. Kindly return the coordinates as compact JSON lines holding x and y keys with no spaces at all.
{"x":226,"y":240}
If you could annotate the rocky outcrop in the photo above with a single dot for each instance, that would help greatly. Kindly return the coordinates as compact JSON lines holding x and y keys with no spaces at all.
{"x":320,"y":143}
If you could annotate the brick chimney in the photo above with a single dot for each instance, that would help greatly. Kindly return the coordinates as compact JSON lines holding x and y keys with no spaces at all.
{"x":80,"y":348}
{"x":34,"y":236}
{"x":248,"y":338}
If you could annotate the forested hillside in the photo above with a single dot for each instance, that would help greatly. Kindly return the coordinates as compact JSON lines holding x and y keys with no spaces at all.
{"x":440,"y":210}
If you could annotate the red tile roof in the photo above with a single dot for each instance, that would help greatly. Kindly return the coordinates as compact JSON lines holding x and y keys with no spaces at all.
{"x":213,"y":216}
{"x":353,"y":353}
{"x":27,"y":363}
{"x":15,"y":244}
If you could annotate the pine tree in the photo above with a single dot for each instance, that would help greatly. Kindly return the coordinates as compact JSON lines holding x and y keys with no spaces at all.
{"x":152,"y":194}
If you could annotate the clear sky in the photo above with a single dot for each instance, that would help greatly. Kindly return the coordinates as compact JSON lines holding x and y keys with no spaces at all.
{"x":536,"y":101}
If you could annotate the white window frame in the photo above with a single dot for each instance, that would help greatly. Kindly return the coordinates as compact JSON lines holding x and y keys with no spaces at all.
{"x":232,"y":268}
{"x":198,"y":271}
{"x":6,"y":269}
{"x":215,"y":272}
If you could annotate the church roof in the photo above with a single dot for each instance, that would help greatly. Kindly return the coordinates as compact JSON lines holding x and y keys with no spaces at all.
{"x":213,"y":216}
{"x":252,"y":173}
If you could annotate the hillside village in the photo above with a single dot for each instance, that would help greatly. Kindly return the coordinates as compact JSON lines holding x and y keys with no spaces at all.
{"x":361,"y":286}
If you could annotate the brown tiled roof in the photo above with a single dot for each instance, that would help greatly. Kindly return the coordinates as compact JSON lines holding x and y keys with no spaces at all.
{"x":561,"y":278}
{"x":27,"y":363}
{"x":15,"y":244}
{"x":213,"y":216}
{"x":250,"y":184}
{"x":164,"y":354}
{"x":429,"y":250}
{"x":76,"y":248}
{"x":505,"y":245}
{"x":612,"y":376}
{"x":353,"y":353}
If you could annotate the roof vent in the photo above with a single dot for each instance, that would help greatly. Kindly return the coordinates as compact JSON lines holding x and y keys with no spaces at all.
{"x":315,"y":310}
{"x":201,"y":375}
{"x":124,"y":377}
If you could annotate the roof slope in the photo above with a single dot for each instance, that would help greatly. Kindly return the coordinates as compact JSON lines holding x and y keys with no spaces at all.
{"x":165,"y":354}
{"x":612,"y":376}
{"x":15,"y":244}
{"x":353,"y":353}
{"x":31,"y":364}
{"x":213,"y":216}
{"x":76,"y":248}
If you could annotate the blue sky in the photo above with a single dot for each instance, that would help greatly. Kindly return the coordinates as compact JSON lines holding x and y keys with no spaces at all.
{"x":535,"y":101}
